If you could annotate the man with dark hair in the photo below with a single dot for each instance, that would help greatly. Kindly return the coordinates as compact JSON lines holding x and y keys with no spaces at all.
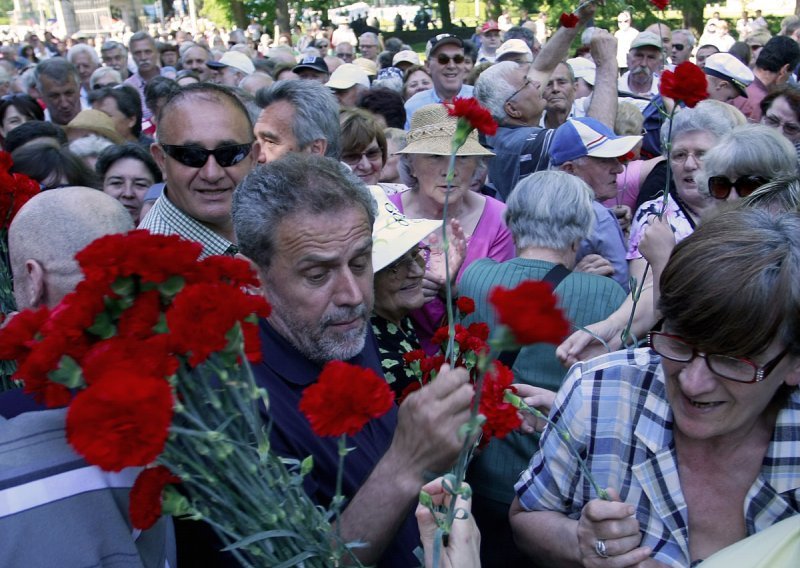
{"x":123,"y":106}
{"x":774,"y":67}
{"x":306,"y":223}
{"x":297,"y":116}
{"x":58,"y":82}
{"x":385,"y":104}
{"x":205,"y":147}
{"x":145,"y":54}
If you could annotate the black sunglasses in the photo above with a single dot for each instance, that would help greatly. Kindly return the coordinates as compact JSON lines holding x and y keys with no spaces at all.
{"x":678,"y":46}
{"x":720,"y":187}
{"x":443,"y":59}
{"x":197,"y":156}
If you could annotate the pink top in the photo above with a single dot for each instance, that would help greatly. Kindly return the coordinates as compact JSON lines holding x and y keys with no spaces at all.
{"x":491,"y":239}
{"x":627,"y":186}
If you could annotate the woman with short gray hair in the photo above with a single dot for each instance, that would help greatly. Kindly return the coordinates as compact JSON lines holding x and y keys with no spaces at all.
{"x":548,"y":213}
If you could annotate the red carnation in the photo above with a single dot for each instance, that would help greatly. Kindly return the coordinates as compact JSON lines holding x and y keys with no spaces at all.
{"x":344,"y":399}
{"x":415,"y":355}
{"x":687,"y":83}
{"x":660,"y":4}
{"x":17,"y":337}
{"x":530,"y":312}
{"x":234,"y":271}
{"x":139,"y":320}
{"x":465,"y":305}
{"x":120,"y":421}
{"x":501,"y":416}
{"x":471,"y":110}
{"x":479,"y":330}
{"x":440,"y":335}
{"x":150,"y":357}
{"x":145,"y":497}
{"x":568,"y":20}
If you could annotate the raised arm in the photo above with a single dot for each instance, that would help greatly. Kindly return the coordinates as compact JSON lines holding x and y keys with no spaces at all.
{"x":557,"y":47}
{"x":603,"y":105}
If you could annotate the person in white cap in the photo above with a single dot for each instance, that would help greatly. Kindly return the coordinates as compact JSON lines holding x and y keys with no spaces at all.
{"x":727,"y":77}
{"x":348,"y":83}
{"x":585,"y":72}
{"x":644,"y":64}
{"x":231,"y":68}
{"x":514,"y":50}
{"x":405,"y":59}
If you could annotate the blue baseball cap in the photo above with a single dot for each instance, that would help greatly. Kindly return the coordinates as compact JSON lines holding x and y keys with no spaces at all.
{"x":586,"y":136}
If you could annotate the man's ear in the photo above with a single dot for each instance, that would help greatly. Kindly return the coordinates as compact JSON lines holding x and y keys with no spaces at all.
{"x":568,"y":167}
{"x":36,"y":285}
{"x":318,"y":146}
{"x":158,"y":155}
{"x":511,"y":109}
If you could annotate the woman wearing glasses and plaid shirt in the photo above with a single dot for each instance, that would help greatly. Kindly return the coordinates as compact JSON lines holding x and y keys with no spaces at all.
{"x":697,"y":436}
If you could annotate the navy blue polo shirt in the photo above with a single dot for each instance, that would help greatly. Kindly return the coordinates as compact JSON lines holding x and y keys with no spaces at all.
{"x":285,"y":373}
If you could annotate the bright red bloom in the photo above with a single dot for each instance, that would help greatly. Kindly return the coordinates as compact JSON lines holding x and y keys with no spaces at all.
{"x":479,"y":330}
{"x":687,"y":83}
{"x":17,"y":337}
{"x":120,"y":421}
{"x":440,"y":336}
{"x":344,"y":399}
{"x":149,"y":357}
{"x":145,"y":497}
{"x":15,"y":191}
{"x":660,"y":4}
{"x":568,"y":20}
{"x":530,"y":312}
{"x":465,"y":305}
{"x":214,"y":308}
{"x":472,"y":111}
{"x":234,"y":271}
{"x":501,"y":416}
{"x":415,"y":355}
{"x":139,"y":320}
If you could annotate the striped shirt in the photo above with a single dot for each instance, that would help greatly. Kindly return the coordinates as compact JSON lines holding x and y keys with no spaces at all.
{"x":164,"y":218}
{"x":616,"y":410}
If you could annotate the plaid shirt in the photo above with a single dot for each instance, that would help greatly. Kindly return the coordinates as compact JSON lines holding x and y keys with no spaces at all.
{"x":619,"y":420}
{"x":164,"y":218}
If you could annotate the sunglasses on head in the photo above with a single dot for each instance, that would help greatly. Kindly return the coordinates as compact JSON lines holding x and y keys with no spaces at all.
{"x":197,"y":156}
{"x":443,"y":59}
{"x":720,"y":186}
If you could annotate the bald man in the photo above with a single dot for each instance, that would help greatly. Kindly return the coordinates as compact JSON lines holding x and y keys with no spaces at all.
{"x":55,"y":510}
{"x":49,"y":231}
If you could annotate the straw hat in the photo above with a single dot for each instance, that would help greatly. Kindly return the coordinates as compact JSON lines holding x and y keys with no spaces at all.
{"x":95,"y":122}
{"x":394,"y":234}
{"x":432,"y":131}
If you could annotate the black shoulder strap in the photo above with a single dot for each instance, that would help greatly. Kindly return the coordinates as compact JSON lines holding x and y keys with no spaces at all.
{"x":553,"y":277}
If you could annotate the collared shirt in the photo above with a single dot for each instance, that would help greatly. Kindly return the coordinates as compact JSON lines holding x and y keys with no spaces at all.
{"x":430,"y":97}
{"x":136,"y":81}
{"x":518,"y":152}
{"x":164,"y":218}
{"x":285,"y":373}
{"x":606,"y":240}
{"x":618,"y":416}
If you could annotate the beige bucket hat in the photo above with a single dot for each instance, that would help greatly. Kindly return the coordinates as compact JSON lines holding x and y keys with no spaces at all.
{"x":432,"y":131}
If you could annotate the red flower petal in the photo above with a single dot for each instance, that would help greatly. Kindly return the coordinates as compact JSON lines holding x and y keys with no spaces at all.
{"x":568,"y":20}
{"x":687,"y":83}
{"x":344,"y":399}
{"x":472,"y":111}
{"x":530,"y":312}
{"x":465,"y":305}
{"x":501,"y":417}
{"x":660,"y":4}
{"x":145,"y":497}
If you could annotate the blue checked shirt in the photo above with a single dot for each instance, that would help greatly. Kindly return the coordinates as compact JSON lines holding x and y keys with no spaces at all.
{"x":617,"y":414}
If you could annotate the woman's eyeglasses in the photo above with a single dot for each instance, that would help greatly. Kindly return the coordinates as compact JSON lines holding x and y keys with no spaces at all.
{"x":720,"y":186}
{"x":418,"y":254}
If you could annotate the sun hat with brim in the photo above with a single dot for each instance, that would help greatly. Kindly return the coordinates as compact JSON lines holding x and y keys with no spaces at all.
{"x":728,"y":68}
{"x":579,"y":137}
{"x":584,"y":69}
{"x":95,"y":122}
{"x":406,"y":56}
{"x":394,"y":234}
{"x":369,"y":66}
{"x":235,"y":59}
{"x":647,"y":39}
{"x":432,"y":131}
{"x":346,"y":76}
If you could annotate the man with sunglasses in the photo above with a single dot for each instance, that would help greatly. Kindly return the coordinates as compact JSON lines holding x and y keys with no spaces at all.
{"x":696,"y":438}
{"x":444,"y":58}
{"x":205,"y":147}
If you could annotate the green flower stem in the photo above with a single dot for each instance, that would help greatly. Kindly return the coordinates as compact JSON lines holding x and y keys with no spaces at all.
{"x":520,"y":404}
{"x":636,"y":293}
{"x":451,"y":328}
{"x":338,"y":497}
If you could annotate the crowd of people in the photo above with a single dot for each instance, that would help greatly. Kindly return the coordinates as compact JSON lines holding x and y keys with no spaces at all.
{"x":671,"y":239}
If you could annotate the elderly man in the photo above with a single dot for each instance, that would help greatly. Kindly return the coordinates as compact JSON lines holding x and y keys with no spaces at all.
{"x":58,"y":82}
{"x":344,"y":51}
{"x":145,"y":54}
{"x":115,"y":55}
{"x":313,"y":68}
{"x":696,"y":436}
{"x":588,"y":149}
{"x":774,"y":67}
{"x":85,"y":60}
{"x":644,"y":64}
{"x":513,"y":96}
{"x":297,"y":116}
{"x":559,"y":96}
{"x":306,"y":224}
{"x":349,"y":83}
{"x":195,"y":57}
{"x":683,"y":42}
{"x":444,"y":58}
{"x":727,"y":77}
{"x":231,"y":68}
{"x":368,"y":46}
{"x":55,"y":510}
{"x":205,"y":147}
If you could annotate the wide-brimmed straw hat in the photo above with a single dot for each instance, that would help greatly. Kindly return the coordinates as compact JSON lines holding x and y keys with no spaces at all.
{"x":432,"y":131}
{"x":394,"y":234}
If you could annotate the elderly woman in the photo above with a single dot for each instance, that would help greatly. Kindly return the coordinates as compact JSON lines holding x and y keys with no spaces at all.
{"x":781,"y":110}
{"x":696,"y":435}
{"x":363,"y":144}
{"x":127,"y":172}
{"x":417,"y":79}
{"x":476,"y":221}
{"x":548,"y":214}
{"x":695,"y":131}
{"x":398,"y":261}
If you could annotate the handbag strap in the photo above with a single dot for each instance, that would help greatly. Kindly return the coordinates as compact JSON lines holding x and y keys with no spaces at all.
{"x":553,"y":277}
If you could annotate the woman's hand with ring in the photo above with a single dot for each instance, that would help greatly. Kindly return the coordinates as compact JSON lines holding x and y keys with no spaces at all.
{"x":608,"y":534}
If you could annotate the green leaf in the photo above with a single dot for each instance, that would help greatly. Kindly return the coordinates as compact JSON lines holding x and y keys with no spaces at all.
{"x":307,"y":465}
{"x":68,"y":373}
{"x":123,"y":286}
{"x":103,"y":326}
{"x":171,"y":285}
